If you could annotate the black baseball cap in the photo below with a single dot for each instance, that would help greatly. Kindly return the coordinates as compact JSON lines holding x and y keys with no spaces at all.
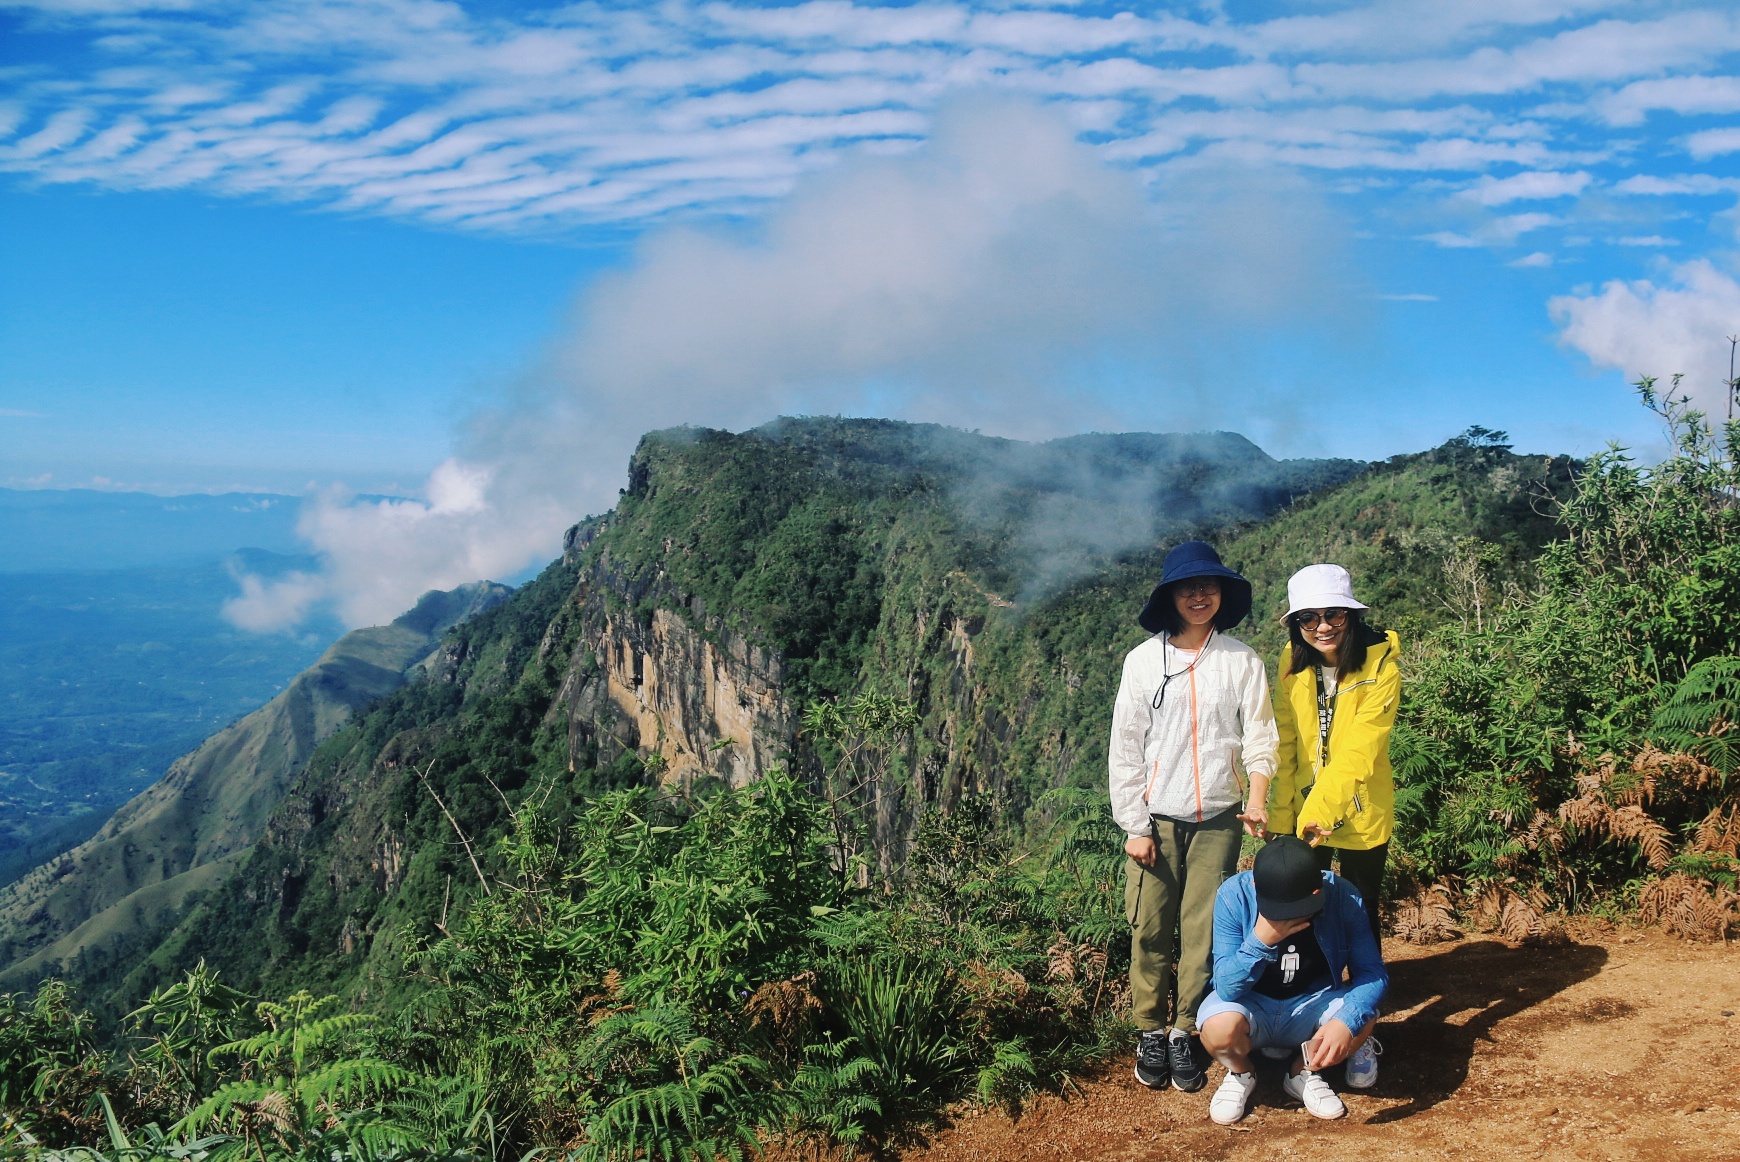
{"x":1289,"y":883}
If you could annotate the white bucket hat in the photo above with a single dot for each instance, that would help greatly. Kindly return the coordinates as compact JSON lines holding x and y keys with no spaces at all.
{"x":1321,"y":587}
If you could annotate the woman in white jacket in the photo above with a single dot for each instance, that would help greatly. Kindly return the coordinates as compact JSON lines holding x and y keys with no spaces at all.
{"x":1193,"y":740}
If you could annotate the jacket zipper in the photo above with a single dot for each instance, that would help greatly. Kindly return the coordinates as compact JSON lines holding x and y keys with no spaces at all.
{"x":1196,"y":740}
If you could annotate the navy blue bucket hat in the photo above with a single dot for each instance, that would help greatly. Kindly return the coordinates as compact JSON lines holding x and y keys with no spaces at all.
{"x":1198,"y":559}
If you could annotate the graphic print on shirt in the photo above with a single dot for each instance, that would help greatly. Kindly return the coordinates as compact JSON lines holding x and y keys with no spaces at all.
{"x":1300,"y":968}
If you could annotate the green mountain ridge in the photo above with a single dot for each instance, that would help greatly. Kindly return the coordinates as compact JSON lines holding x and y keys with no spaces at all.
{"x":180,"y":834}
{"x":743,"y":575}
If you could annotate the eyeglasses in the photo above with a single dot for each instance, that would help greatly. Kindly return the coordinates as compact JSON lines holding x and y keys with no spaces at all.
{"x":1334,"y":618}
{"x":1197,"y":588}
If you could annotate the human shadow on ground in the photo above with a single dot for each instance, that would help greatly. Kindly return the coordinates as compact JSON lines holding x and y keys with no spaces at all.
{"x":1426,"y":1057}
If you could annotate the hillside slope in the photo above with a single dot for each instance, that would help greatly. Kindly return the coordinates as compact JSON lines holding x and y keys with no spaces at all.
{"x":180,"y":833}
{"x":994,"y":585}
{"x":107,"y":676}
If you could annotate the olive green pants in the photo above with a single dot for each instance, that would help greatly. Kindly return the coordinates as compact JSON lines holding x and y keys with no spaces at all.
{"x":1171,"y":905}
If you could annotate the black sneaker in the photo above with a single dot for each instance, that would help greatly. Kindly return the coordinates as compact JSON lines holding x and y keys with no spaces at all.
{"x":1187,"y":1075}
{"x":1151,"y":1067}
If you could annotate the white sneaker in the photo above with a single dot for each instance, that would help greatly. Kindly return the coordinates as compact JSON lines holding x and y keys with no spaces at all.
{"x":1362,"y":1067}
{"x":1320,"y":1101}
{"x":1228,"y":1103}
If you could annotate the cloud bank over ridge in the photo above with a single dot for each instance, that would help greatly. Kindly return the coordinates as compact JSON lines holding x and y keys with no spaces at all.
{"x":987,"y":280}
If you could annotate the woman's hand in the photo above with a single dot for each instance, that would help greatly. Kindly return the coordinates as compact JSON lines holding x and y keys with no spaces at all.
{"x":1255,"y":819}
{"x":1316,"y":833}
{"x":1142,"y":849}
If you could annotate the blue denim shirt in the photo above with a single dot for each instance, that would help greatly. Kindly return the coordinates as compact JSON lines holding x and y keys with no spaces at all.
{"x":1343,"y":932}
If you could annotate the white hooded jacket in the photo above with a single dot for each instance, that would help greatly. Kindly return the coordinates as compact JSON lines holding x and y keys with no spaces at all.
{"x":1189,"y":758}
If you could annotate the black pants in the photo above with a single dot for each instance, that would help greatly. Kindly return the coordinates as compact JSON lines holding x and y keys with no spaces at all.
{"x":1365,"y":871}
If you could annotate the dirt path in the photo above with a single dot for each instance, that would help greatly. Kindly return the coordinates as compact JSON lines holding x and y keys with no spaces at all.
{"x":1606,"y":1045}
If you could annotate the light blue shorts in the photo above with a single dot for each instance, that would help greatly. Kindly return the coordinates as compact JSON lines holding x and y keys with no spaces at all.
{"x":1278,"y":1024}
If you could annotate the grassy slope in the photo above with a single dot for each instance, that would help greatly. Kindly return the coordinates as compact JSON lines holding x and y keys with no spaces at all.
{"x":211,"y":806}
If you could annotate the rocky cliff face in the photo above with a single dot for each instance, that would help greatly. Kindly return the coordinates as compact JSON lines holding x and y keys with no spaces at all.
{"x":678,"y":687}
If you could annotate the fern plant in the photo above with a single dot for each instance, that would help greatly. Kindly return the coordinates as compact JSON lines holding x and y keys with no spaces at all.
{"x":1701,"y":716}
{"x":679,"y":1097}
{"x":301,"y":1095}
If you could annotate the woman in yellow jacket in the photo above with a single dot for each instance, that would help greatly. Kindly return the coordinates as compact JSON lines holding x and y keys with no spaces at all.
{"x":1334,"y":708}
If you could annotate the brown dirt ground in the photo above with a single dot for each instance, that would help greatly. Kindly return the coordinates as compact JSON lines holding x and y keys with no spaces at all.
{"x":1597,"y":1044}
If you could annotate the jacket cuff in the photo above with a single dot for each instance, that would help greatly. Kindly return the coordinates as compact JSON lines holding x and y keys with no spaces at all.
{"x":1354,"y":1017}
{"x":1257,"y":950}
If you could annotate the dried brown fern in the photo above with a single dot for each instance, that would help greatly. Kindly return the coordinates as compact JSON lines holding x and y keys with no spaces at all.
{"x":1635,"y":825}
{"x":1513,"y":914}
{"x":1524,"y":915}
{"x":1593,"y":812}
{"x":1066,"y":961}
{"x":1544,"y":833}
{"x":1674,"y":779}
{"x":1719,"y":833}
{"x":991,"y":994}
{"x":1688,"y":907}
{"x":782,"y":1005}
{"x":1427,"y":918}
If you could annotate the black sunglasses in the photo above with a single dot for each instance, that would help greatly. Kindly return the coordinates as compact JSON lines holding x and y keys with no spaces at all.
{"x":1335,"y":618}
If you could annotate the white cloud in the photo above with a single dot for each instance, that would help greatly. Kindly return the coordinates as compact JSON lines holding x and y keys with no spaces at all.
{"x":968,"y":282}
{"x":1713,"y":142}
{"x":1682,"y":95}
{"x":1647,"y":240}
{"x":1645,"y":328}
{"x":268,"y":606}
{"x":505,"y":119}
{"x":1538,"y":258}
{"x":1409,"y":298}
{"x":1536,"y":186}
{"x":1668,"y":185}
{"x":1450,"y":240}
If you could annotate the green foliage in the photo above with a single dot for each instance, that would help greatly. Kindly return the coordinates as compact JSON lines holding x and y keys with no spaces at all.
{"x":182,"y":1025}
{"x":543,"y":945}
{"x":48,"y":1077}
{"x":1536,"y":743}
{"x":1699,"y":716}
{"x":903,"y":1017}
{"x":302,"y":1092}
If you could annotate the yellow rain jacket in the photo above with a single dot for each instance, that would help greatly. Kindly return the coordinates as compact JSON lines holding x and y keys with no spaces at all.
{"x":1349,"y":789}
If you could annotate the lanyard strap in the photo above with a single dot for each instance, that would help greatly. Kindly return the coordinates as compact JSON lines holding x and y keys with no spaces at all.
{"x":1166,"y":678}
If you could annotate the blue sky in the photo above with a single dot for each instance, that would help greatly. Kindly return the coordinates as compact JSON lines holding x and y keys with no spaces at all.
{"x":287,"y":244}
